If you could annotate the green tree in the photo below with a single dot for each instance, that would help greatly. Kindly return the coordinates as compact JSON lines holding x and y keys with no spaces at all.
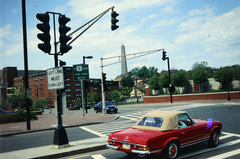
{"x":224,"y":76}
{"x":47,"y":101}
{"x":89,"y":98}
{"x":115,"y":95}
{"x":95,"y":97}
{"x":17,"y":97}
{"x":180,"y":79}
{"x":236,"y":73}
{"x":152,"y":71}
{"x":126,"y":91}
{"x":164,"y":81}
{"x":143,"y":73}
{"x":135,"y":70}
{"x":79,"y":101}
{"x":200,"y":76}
{"x":154,"y":82}
{"x":127,"y":81}
{"x":38,"y":103}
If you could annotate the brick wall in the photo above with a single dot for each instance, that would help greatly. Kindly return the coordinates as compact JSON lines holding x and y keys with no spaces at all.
{"x":189,"y":97}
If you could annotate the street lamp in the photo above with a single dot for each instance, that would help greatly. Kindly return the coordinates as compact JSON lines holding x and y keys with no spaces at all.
{"x":87,"y":57}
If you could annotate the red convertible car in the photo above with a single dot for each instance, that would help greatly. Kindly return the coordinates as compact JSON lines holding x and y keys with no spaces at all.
{"x":165,"y":132}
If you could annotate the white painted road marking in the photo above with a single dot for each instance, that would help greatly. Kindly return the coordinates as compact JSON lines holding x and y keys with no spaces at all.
{"x":98,"y":157}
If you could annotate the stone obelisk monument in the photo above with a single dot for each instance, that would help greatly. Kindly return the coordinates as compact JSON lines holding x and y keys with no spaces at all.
{"x":123,"y":59}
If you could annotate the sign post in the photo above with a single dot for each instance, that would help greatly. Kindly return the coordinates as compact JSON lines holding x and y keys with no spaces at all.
{"x":81,"y":72}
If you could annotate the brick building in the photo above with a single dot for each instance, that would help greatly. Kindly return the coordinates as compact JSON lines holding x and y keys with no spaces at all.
{"x":38,"y":85}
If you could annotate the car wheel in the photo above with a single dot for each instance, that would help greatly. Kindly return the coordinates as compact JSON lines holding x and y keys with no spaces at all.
{"x":115,"y":111}
{"x":171,"y":150}
{"x":214,"y":139}
{"x":96,"y":110}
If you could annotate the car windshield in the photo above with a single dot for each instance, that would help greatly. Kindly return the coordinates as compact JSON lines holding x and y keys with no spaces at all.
{"x":151,"y":121}
{"x":106,"y":103}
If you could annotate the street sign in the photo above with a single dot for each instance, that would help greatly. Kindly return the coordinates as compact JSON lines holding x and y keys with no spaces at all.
{"x":55,"y":78}
{"x":29,"y":93}
{"x":80,"y":72}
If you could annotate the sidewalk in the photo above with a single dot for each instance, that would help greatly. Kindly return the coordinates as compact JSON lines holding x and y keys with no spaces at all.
{"x":46,"y":121}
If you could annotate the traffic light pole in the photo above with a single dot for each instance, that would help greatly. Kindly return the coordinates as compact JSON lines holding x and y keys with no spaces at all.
{"x":170,"y":83}
{"x":103,"y":94}
{"x":60,"y":136}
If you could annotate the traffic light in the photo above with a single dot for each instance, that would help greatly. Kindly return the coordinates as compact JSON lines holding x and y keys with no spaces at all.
{"x":63,"y":29}
{"x":104,"y":82}
{"x":114,"y":20}
{"x":164,"y":55}
{"x":62,"y":63}
{"x":45,"y":36}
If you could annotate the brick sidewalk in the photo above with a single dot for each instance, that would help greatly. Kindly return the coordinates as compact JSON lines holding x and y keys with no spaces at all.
{"x":47,"y":121}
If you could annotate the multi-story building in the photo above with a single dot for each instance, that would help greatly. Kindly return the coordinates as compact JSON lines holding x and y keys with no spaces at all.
{"x":38,"y":85}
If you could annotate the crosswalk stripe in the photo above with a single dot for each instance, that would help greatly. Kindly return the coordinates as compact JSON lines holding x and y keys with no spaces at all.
{"x":227,"y":154}
{"x":98,"y":157}
{"x":207,"y":150}
{"x":92,"y":131}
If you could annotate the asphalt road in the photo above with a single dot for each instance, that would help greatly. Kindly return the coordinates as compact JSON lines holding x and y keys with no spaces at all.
{"x":227,"y":114}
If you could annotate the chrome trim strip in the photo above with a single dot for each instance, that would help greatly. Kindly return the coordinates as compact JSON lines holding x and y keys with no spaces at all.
{"x":155,"y":151}
{"x":194,"y":142}
{"x":113,"y":147}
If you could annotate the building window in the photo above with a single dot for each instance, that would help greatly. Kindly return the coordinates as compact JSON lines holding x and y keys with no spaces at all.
{"x":68,"y":80}
{"x":77,"y":85}
{"x":41,"y":78}
{"x":42,"y":93}
{"x":35,"y":84}
{"x":50,"y":92}
{"x":36,"y":89}
{"x":78,"y":90}
{"x":35,"y":79}
{"x":50,"y":98}
{"x":95,"y":89}
{"x":36,"y":94}
{"x":69,"y":96}
{"x":42,"y":83}
{"x":68,"y":85}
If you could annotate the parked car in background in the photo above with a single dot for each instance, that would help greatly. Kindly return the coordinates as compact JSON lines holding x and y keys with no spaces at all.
{"x":110,"y":108}
{"x":88,"y":106}
{"x":76,"y":107}
{"x":6,"y":112}
{"x":165,"y":132}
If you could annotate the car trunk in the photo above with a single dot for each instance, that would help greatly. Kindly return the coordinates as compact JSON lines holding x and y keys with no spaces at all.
{"x":135,"y":136}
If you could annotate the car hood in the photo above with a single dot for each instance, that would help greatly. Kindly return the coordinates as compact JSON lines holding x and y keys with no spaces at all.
{"x":110,"y":106}
{"x":134,"y":135}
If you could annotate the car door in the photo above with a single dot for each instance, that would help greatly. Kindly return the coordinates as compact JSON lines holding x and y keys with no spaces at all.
{"x":188,"y":133}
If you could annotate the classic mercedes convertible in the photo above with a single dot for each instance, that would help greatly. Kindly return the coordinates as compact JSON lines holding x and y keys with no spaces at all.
{"x":165,"y":132}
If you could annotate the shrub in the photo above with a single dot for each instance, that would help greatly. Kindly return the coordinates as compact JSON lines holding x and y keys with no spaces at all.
{"x":17,"y":117}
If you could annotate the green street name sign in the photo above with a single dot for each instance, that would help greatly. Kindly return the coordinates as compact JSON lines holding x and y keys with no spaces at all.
{"x":80,"y":72}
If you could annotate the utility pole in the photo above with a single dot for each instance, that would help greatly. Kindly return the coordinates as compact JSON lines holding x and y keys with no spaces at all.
{"x":25,"y":62}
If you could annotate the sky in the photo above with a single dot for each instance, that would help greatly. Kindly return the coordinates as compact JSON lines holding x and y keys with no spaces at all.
{"x":188,"y":30}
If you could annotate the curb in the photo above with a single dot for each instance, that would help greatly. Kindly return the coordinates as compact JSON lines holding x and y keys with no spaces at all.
{"x":73,"y":152}
{"x":39,"y":130}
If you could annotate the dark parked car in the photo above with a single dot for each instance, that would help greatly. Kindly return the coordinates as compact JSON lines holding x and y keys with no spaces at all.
{"x":75,"y":107}
{"x":88,"y":106}
{"x":110,"y":108}
{"x":6,"y":112}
